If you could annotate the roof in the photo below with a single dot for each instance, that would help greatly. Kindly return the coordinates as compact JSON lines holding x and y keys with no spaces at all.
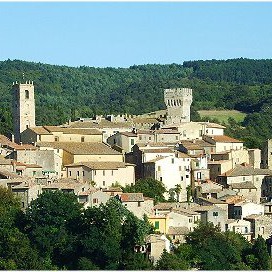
{"x":241,"y":170}
{"x":242,"y":185}
{"x":212,"y":200}
{"x":4,"y":161}
{"x":211,"y":125}
{"x":198,"y":142}
{"x":207,"y":187}
{"x":224,"y":139}
{"x":191,"y":146}
{"x":178,"y":230}
{"x":165,"y":206}
{"x":106,"y":165}
{"x":102,"y":124}
{"x":158,"y":150}
{"x":33,"y":166}
{"x":189,"y":212}
{"x":45,"y":130}
{"x":6,"y":142}
{"x":128,"y":134}
{"x":64,"y":185}
{"x":152,"y":144}
{"x":112,"y":189}
{"x":40,"y":130}
{"x":259,"y":217}
{"x":156,"y":159}
{"x":81,"y":148}
{"x":8,"y":174}
{"x":131,"y":197}
{"x":205,"y":208}
{"x":183,"y":155}
{"x":67,"y":130}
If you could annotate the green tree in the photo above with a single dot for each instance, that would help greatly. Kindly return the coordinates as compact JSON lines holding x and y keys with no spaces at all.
{"x":169,"y":261}
{"x":16,"y":251}
{"x":260,"y":252}
{"x":149,"y":187}
{"x":51,"y":222}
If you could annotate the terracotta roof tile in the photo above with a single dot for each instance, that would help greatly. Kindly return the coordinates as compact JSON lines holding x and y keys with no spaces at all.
{"x":131,"y":197}
{"x":81,"y":148}
{"x":107,"y":165}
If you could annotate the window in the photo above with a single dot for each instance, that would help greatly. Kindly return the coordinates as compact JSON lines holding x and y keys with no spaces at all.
{"x":244,"y":178}
{"x":157,"y":224}
{"x":95,"y":200}
{"x":246,"y":229}
{"x":34,"y":173}
{"x":70,"y":173}
{"x":103,"y":172}
{"x":132,"y":141}
{"x":181,"y":178}
{"x":27,"y":126}
{"x":160,"y":178}
{"x":173,"y":160}
{"x":140,"y":138}
{"x":78,"y":173}
{"x":139,"y":204}
{"x":112,"y":172}
{"x":82,"y":139}
{"x":104,"y":182}
{"x":159,"y":168}
{"x":83,"y":173}
{"x":179,"y":168}
{"x":176,"y":137}
{"x":94,"y":172}
{"x":23,"y":204}
{"x":187,"y":176}
{"x":215,"y":213}
{"x":26,"y":94}
{"x":190,"y":220}
{"x":56,"y":138}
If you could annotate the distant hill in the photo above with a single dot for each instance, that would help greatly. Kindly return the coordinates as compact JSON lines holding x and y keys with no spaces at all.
{"x":64,"y":92}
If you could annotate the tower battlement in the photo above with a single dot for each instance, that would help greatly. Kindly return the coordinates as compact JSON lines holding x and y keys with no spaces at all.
{"x":178,"y":102}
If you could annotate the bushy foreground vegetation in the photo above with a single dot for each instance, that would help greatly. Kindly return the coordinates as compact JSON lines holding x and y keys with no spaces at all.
{"x":55,"y":233}
{"x":64,"y":93}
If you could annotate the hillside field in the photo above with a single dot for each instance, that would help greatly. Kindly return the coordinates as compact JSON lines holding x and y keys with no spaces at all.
{"x":223,"y":115}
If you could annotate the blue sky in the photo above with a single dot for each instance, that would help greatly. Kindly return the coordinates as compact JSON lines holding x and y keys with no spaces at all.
{"x":121,"y":34}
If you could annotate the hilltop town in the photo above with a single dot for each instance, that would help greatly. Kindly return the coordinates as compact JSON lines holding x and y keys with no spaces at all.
{"x":208,"y":176}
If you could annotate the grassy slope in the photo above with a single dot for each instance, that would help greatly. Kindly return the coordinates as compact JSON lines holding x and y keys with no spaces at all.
{"x":223,"y":115}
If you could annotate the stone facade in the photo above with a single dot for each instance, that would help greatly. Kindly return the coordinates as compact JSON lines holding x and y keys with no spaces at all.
{"x":23,"y":108}
{"x":178,"y":102}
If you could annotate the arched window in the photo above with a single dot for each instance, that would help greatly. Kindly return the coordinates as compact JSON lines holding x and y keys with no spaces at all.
{"x":26,"y":94}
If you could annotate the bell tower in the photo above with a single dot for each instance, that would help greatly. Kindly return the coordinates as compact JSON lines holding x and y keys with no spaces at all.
{"x":23,"y":108}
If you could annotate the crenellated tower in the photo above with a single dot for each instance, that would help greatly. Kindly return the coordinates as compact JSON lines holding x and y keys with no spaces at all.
{"x":23,"y":108}
{"x":178,"y":102}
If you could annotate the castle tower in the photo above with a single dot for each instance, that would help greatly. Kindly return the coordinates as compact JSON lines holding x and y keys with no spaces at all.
{"x":178,"y":102}
{"x":23,"y":108}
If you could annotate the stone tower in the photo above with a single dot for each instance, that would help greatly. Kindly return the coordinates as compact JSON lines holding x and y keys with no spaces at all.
{"x":178,"y":102}
{"x":23,"y":108}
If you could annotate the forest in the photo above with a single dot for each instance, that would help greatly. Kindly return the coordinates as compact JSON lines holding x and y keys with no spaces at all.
{"x":56,"y":233}
{"x":64,"y":93}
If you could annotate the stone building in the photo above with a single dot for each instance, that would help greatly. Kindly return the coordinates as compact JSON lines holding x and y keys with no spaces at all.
{"x":23,"y":108}
{"x":178,"y":102}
